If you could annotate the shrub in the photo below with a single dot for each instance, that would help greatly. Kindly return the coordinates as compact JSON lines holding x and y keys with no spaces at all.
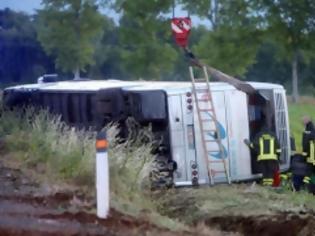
{"x":68,"y":154}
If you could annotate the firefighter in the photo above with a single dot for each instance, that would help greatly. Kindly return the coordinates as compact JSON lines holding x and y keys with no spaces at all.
{"x":299,"y":169}
{"x":266,"y":147}
{"x":308,"y":145}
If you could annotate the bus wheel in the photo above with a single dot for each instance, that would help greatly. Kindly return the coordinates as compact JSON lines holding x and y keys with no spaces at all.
{"x":161,"y":175}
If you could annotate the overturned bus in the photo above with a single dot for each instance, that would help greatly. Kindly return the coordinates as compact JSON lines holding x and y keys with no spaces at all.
{"x":164,"y":105}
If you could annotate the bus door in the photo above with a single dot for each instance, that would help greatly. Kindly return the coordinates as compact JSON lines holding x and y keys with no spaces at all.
{"x":182,"y":135}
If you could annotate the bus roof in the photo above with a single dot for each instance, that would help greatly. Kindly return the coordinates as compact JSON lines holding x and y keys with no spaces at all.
{"x":95,"y":85}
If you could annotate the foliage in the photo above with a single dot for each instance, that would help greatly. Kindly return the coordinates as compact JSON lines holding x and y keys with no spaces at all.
{"x":291,"y":24}
{"x":145,"y":35}
{"x":108,"y":53}
{"x":190,"y":205}
{"x":296,"y":111}
{"x":268,"y":67}
{"x":307,"y":75}
{"x":59,"y":153}
{"x":68,"y":30}
{"x":22,"y":58}
{"x":248,"y":39}
{"x":130,"y":164}
{"x":43,"y":138}
{"x":227,"y":49}
{"x":232,"y":42}
{"x":68,"y":154}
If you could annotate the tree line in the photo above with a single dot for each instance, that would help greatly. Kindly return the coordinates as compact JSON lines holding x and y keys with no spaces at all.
{"x":256,"y":40}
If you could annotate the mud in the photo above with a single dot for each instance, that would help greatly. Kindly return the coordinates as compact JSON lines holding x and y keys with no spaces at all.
{"x":26,"y":208}
{"x":268,"y":225}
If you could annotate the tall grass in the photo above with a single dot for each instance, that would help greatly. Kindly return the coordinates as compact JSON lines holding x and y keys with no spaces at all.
{"x":69,"y":154}
{"x":130,"y":164}
{"x":43,"y":142}
{"x":40,"y":139}
{"x":193,"y":205}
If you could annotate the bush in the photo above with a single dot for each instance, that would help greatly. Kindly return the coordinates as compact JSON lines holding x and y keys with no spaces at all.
{"x":40,"y":139}
{"x":68,"y":153}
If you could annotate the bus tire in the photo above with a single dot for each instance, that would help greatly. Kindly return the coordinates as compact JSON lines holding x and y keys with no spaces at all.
{"x":161,"y":175}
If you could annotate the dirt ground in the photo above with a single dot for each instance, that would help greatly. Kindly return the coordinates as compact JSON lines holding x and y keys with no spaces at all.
{"x":273,"y":225}
{"x":29,"y":208}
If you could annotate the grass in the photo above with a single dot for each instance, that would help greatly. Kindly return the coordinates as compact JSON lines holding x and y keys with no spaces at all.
{"x":129,"y":172}
{"x":43,"y":139}
{"x":235,"y":199}
{"x":242,"y":199}
{"x":68,"y":154}
{"x":306,"y":106}
{"x":59,"y":154}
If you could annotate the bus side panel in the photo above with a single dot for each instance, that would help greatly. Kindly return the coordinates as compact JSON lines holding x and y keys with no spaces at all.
{"x":214,"y":155}
{"x":177,"y":138}
{"x":237,"y":119}
{"x":189,"y":139}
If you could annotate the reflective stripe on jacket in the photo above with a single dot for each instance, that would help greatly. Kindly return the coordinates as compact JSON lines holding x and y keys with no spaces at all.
{"x":311,"y":157}
{"x":266,"y":146}
{"x":308,"y":146}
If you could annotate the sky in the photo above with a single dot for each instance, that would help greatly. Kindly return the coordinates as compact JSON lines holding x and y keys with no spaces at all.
{"x":30,"y":6}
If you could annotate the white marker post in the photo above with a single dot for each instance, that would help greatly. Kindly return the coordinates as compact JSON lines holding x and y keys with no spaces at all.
{"x":102,"y":176}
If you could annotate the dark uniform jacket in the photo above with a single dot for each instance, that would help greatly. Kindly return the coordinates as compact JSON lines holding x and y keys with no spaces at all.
{"x":308,"y":143}
{"x":266,"y":146}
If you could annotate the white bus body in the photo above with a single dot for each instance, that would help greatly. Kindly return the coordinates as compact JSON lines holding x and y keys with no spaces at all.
{"x":164,"y":104}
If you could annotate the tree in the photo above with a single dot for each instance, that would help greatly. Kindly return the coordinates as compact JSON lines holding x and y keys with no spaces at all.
{"x":69,"y":30}
{"x":108,"y":53}
{"x":268,"y":67}
{"x":291,"y":24}
{"x":228,"y":49}
{"x":22,"y":58}
{"x":145,"y":36}
{"x":234,"y":36}
{"x":229,"y":45}
{"x":237,"y":30}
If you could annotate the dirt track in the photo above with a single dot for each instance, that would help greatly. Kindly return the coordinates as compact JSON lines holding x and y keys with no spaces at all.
{"x":27,"y":209}
{"x":273,"y":225}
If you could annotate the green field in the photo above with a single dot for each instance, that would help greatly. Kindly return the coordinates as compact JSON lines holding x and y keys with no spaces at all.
{"x":296,"y":111}
{"x":68,"y":156}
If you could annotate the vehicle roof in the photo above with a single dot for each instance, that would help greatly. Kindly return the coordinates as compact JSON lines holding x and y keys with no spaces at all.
{"x":169,"y":87}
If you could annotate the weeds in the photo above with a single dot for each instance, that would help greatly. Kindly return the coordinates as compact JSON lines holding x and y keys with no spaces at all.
{"x":130,"y":164}
{"x":39,"y":139}
{"x":44,"y":138}
{"x":233,"y":200}
{"x":69,"y":154}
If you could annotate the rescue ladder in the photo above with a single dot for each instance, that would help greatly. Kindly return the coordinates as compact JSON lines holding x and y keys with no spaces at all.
{"x":208,"y":124}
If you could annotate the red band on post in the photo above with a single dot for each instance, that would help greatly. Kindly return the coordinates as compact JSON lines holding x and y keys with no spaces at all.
{"x":101,"y":145}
